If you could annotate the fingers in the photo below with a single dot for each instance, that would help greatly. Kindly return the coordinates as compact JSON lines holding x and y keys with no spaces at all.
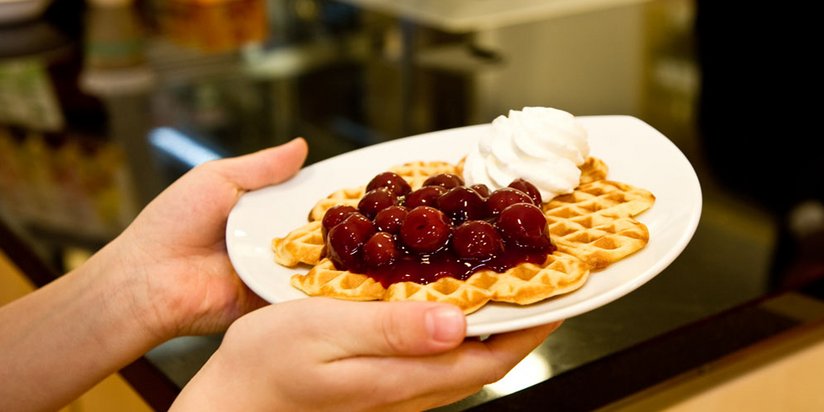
{"x":265,"y":167}
{"x":510,"y":348}
{"x":406,"y":328}
{"x":438,"y":379}
{"x":402,"y":355}
{"x":387,"y":328}
{"x":491,"y":359}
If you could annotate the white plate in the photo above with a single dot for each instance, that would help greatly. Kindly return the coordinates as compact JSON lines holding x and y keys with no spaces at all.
{"x":634,"y":152}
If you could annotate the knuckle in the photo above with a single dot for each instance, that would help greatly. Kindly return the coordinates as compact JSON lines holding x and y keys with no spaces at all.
{"x":494,"y":374}
{"x":393,"y":330}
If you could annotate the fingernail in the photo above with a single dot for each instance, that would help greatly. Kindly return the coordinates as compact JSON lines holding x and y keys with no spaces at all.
{"x":445,"y":324}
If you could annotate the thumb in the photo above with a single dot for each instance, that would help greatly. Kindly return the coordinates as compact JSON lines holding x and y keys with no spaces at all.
{"x":389,"y":328}
{"x":264,"y":167}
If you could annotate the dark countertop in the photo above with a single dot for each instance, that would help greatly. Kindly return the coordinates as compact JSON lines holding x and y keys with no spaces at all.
{"x":109,"y":105}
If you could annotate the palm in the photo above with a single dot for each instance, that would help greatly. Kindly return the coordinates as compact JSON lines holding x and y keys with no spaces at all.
{"x":182,"y":234}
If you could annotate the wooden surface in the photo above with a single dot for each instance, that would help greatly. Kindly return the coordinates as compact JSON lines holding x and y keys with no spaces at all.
{"x":781,"y":374}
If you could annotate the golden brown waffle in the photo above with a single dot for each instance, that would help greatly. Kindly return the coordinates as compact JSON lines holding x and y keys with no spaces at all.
{"x":599,"y":240}
{"x":523,"y":284}
{"x":591,"y":227}
{"x":605,"y":197}
{"x":348,"y":197}
{"x":529,"y":283}
{"x":302,"y":245}
{"x":324,"y":280}
{"x":469,"y":295}
{"x":594,"y":223}
{"x":593,"y":169}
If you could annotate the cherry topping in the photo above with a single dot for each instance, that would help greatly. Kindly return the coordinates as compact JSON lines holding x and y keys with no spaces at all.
{"x":380,"y":250}
{"x":529,"y":189}
{"x":391,"y":181}
{"x":335,"y":215}
{"x":477,"y":239}
{"x":442,"y":229}
{"x":376,"y":200}
{"x":390,"y":219}
{"x":446,"y":180}
{"x":462,"y":203}
{"x":482,"y":189}
{"x":346,"y":240}
{"x":525,"y":226}
{"x":501,"y":198}
{"x":425,"y":196}
{"x":425,"y":229}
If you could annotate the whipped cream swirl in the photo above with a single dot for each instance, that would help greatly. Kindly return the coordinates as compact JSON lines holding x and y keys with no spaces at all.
{"x":543,"y":145}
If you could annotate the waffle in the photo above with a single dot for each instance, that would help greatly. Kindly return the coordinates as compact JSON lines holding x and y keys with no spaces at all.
{"x":302,"y":245}
{"x":592,"y":169}
{"x":325,"y":280}
{"x":594,"y":223}
{"x":591,"y":228}
{"x":524,"y":284}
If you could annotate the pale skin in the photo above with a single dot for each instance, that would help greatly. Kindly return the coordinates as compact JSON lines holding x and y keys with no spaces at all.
{"x":168,"y":275}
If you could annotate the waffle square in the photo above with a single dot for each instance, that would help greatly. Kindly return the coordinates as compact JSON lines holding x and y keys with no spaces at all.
{"x":594,"y":223}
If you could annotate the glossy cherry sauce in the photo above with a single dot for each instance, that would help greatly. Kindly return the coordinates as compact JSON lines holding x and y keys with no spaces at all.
{"x":429,"y":268}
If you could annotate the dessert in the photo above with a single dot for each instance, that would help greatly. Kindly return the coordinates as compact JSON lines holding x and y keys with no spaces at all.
{"x":419,"y":231}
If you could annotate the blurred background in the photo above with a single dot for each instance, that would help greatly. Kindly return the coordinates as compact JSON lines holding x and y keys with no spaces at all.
{"x":104,"y":102}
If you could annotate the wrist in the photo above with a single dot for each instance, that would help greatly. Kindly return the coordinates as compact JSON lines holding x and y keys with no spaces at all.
{"x":88,"y":322}
{"x":217,"y":383}
{"x":130,"y":296}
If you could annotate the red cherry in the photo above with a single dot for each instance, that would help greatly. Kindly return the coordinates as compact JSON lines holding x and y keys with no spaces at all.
{"x":391,"y":181}
{"x":477,"y":239}
{"x":335,"y":215}
{"x":376,"y":200}
{"x":425,"y":196}
{"x":346,"y":240}
{"x":523,"y":225}
{"x":390,"y":219}
{"x":445,"y":180}
{"x":529,"y":189}
{"x":462,"y":203}
{"x":482,"y":190}
{"x":501,"y":198}
{"x":425,"y":230}
{"x":380,"y":250}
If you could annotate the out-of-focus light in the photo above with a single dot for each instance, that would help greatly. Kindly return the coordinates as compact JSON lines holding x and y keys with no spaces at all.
{"x":530,"y":371}
{"x":181,"y":147}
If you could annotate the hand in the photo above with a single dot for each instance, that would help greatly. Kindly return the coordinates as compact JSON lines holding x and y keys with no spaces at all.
{"x":324,"y":354}
{"x":175,"y":249}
